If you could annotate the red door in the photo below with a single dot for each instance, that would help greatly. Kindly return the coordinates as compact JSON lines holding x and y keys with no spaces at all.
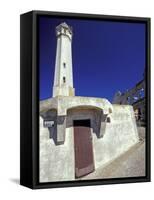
{"x":84,"y":163}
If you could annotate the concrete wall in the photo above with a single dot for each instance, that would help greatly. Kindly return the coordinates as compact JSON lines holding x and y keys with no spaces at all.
{"x":128,"y":96}
{"x":56,"y":162}
{"x":120,"y":133}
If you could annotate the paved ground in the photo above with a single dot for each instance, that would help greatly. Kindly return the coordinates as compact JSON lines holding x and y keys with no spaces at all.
{"x":130,"y":164}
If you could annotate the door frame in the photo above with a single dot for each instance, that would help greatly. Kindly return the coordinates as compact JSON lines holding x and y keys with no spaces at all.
{"x":91,"y":137}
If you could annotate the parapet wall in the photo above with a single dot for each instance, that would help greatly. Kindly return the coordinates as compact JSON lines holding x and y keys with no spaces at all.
{"x":120,"y":135}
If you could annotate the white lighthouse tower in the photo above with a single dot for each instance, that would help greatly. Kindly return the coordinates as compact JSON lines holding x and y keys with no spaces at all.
{"x":63,"y":78}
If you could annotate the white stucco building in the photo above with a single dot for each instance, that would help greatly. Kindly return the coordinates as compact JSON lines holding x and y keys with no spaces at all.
{"x":79,"y":134}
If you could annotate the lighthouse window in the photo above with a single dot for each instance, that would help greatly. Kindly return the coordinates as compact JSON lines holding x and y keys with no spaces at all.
{"x":64,"y":79}
{"x":64,"y":64}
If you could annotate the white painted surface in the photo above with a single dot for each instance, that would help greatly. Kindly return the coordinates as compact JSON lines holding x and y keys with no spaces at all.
{"x":62,"y":104}
{"x":63,"y":64}
{"x":120,"y":135}
{"x":57,"y":162}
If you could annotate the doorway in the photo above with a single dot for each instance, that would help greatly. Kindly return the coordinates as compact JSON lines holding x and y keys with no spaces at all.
{"x":84,"y":162}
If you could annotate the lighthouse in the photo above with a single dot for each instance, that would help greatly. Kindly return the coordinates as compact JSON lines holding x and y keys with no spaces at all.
{"x":63,"y":77}
{"x":79,"y":134}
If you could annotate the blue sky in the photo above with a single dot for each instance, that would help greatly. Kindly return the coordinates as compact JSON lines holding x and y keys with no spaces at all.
{"x":107,"y":56}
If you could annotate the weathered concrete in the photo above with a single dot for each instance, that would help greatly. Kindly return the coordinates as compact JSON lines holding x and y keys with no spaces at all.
{"x":63,"y":78}
{"x":129,"y":164}
{"x":120,"y":134}
{"x":136,"y":98}
{"x":63,"y":104}
{"x":57,"y":161}
{"x":141,"y":132}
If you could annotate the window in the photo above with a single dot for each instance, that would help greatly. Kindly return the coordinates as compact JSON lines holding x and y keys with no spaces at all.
{"x":141,"y":93}
{"x":64,"y":79}
{"x":108,"y":119}
{"x":64,"y":64}
{"x":128,"y":100}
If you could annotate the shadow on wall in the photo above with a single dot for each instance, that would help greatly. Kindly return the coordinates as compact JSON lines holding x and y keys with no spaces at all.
{"x":97,"y":119}
{"x":50,"y":116}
